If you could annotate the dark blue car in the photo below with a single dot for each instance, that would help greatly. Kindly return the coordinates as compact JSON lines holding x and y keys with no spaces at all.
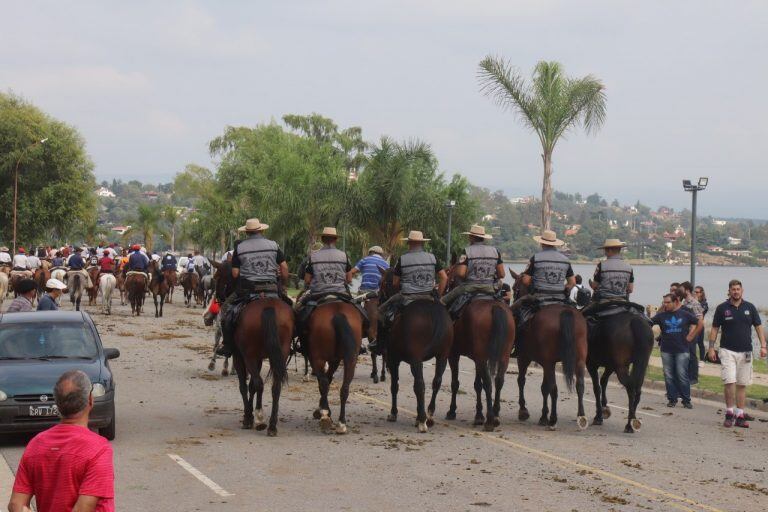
{"x":35,"y":349}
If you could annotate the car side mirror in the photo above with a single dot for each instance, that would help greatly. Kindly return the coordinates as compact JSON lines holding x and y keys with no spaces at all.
{"x":111,"y":353}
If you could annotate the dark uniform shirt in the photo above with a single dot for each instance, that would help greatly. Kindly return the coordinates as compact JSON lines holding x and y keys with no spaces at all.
{"x":76,"y":262}
{"x":736,"y":325}
{"x":675,"y":326}
{"x":138,"y":262}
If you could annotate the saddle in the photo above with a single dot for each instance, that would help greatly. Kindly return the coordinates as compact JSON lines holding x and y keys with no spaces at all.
{"x":137,"y":273}
{"x":529,"y":308}
{"x":391,"y":314}
{"x":466,"y":298}
{"x":20,"y":273}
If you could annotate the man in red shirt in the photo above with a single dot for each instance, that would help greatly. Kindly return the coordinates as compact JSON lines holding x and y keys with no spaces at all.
{"x":67,"y":467}
{"x":107,"y":264}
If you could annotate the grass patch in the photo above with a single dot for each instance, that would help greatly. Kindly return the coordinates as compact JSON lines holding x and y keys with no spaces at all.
{"x":710,"y":383}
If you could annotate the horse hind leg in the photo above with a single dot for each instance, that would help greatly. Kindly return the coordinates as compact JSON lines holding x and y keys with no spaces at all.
{"x":604,"y":394}
{"x":394,"y":373}
{"x":546,"y":391}
{"x":485,"y":380}
{"x":479,"y":418}
{"x":593,"y":374}
{"x":349,"y":372}
{"x":375,"y":369}
{"x":277,"y":387}
{"x":522,"y":368}
{"x":256,"y":375}
{"x":581,"y":419}
{"x":419,"y":388}
{"x":453,"y":361}
{"x":323,"y":412}
{"x":498,"y":384}
{"x":437,"y":381}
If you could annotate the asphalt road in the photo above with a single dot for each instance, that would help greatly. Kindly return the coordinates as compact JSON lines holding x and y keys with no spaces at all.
{"x":179,"y":444}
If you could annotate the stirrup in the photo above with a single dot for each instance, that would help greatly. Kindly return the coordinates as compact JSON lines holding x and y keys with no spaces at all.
{"x":224,"y":351}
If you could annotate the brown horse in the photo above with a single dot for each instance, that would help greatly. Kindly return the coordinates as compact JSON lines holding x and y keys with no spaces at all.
{"x":335,"y":331}
{"x":135,"y":288}
{"x":120,"y":284}
{"x":372,"y":310}
{"x":264,"y":331}
{"x":159,"y":287}
{"x":421,"y":331}
{"x":42,"y":275}
{"x":484,"y":332}
{"x":190,"y":281}
{"x":556,"y":333}
{"x":93,"y":291}
{"x":171,"y":278}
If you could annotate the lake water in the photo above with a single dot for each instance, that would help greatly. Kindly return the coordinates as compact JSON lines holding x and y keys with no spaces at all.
{"x":652,"y":281}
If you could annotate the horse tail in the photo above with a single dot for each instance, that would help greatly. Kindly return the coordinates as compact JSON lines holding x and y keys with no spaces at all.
{"x":345,"y":338}
{"x":76,"y":291}
{"x":498,"y":336}
{"x":567,"y":347}
{"x":641,"y":341}
{"x":277,"y":367}
{"x":437,"y":315}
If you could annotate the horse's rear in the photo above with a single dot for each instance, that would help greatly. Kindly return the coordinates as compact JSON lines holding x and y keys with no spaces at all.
{"x":621,"y":343}
{"x":42,"y":275}
{"x":169,"y":275}
{"x":159,"y":288}
{"x":485,"y":332}
{"x":264,"y":331}
{"x":93,"y":291}
{"x":422,"y":331}
{"x":556,"y":333}
{"x":107,"y":284}
{"x":3,"y":287}
{"x":335,"y":333}
{"x":372,"y":310}
{"x":135,"y":286}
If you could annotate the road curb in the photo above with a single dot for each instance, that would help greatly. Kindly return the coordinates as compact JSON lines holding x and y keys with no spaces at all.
{"x":707,"y":395}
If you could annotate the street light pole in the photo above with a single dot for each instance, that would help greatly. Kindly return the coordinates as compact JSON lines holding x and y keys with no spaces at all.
{"x":450,"y":205}
{"x":16,"y":187}
{"x":694,"y":189}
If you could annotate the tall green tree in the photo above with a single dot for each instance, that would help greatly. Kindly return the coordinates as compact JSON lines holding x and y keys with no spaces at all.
{"x":172,"y":217}
{"x":56,"y":182}
{"x":147,"y":223}
{"x":550,"y":105}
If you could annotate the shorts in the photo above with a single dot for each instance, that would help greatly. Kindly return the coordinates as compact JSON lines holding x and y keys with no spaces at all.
{"x":736,"y":367}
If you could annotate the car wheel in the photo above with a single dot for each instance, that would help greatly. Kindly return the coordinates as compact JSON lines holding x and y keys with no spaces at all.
{"x":109,"y":431}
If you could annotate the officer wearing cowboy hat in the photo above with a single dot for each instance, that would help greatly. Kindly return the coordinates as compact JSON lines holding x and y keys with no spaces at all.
{"x":549,"y":271}
{"x":414,"y":273}
{"x":480,"y":265}
{"x":258,"y":265}
{"x":327,"y":272}
{"x":614,"y":278}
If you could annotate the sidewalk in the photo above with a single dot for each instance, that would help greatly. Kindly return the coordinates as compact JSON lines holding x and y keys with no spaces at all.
{"x":713,"y":370}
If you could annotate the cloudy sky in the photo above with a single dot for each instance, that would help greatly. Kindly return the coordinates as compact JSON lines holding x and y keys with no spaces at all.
{"x":150,"y":83}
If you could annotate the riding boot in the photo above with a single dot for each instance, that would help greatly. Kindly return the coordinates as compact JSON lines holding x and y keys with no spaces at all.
{"x":225,"y":349}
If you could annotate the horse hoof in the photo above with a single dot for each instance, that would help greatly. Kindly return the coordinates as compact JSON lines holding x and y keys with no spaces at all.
{"x":316,"y":414}
{"x":383,"y":378}
{"x":597,"y":421}
{"x":606,"y":412}
{"x":341,"y":429}
{"x":635,"y":424}
{"x":523,"y":415}
{"x":430,"y":422}
{"x":261,"y":426}
{"x":552,"y":427}
{"x":211,"y":366}
{"x":271,"y":432}
{"x":582,"y":422}
{"x":305,"y":378}
{"x":496,"y":421}
{"x":628,"y":430}
{"x":422,"y":428}
{"x":479,"y":420}
{"x":450,"y":415}
{"x":392,"y":417}
{"x":488,"y":427}
{"x":247,"y":424}
{"x":326,"y":423}
{"x":543,"y":422}
{"x":224,"y":372}
{"x":375,"y":379}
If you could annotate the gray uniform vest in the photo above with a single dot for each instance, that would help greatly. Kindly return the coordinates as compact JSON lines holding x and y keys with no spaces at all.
{"x":481,"y":263}
{"x":329,"y":271}
{"x":549,"y":271}
{"x":614,"y":276}
{"x":258,"y":259}
{"x":417,"y":272}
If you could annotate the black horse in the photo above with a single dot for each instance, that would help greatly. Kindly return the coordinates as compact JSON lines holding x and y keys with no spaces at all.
{"x":620,"y":343}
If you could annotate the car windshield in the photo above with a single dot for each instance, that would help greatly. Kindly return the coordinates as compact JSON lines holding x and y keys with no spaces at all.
{"x":47,"y":340}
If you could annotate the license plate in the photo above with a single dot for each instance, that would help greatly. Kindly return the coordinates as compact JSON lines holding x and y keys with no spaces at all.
{"x":43,"y":410}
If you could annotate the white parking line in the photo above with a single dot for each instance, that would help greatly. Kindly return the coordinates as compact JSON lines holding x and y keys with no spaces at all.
{"x":6,"y":481}
{"x":200,"y":476}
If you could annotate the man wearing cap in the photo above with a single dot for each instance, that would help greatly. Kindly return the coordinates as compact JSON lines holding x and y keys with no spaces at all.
{"x":549,"y":274}
{"x":26,"y":289}
{"x":138,"y":262}
{"x":613,"y":280}
{"x":76,"y":264}
{"x":21,"y":263}
{"x":371,"y":268}
{"x":5,"y":257}
{"x":53,"y":290}
{"x":479,"y":266}
{"x":414,"y":274}
{"x":258,"y":265}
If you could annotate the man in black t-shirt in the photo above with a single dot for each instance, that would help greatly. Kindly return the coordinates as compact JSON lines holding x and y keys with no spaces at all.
{"x":679,"y":327}
{"x":736,"y":317}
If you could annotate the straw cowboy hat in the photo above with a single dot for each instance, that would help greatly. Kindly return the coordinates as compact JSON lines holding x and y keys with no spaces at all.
{"x":416,"y":236}
{"x":330,"y":232}
{"x":548,"y":237}
{"x":613,"y":243}
{"x":376,"y":249}
{"x":478,"y":231}
{"x":253,"y":225}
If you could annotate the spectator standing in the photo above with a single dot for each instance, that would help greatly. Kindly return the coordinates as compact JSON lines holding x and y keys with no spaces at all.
{"x":371,"y":268}
{"x":678,"y":330}
{"x":67,"y":467}
{"x":701,"y":296}
{"x":736,"y":317}
{"x":27,"y":289}
{"x":689,"y":301}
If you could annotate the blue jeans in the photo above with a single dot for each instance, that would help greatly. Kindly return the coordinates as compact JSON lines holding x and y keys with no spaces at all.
{"x":693,"y":365}
{"x":676,"y":376}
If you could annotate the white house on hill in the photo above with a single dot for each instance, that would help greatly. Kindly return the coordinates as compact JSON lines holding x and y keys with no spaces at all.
{"x":104,"y":192}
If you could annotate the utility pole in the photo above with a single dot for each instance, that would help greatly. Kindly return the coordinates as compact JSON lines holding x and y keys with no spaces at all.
{"x":451,"y":204}
{"x":694,"y":189}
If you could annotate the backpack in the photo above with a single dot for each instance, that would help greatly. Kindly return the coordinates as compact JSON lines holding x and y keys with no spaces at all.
{"x":583,"y":296}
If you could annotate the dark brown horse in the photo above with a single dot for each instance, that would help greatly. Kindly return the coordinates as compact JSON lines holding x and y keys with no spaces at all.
{"x":190,"y":281}
{"x":485,"y":332}
{"x":171,"y":278}
{"x":120,"y":285}
{"x":421,"y":331}
{"x":617,"y":342}
{"x":42,"y":275}
{"x":159,"y":287}
{"x":372,"y":310}
{"x":264,"y":331}
{"x":556,"y":333}
{"x":335,"y":331}
{"x":135,"y":288}
{"x":93,"y":291}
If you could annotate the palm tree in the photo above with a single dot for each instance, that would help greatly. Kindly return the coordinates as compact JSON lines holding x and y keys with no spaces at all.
{"x":550,"y":105}
{"x":172,"y":217}
{"x":147,"y":222}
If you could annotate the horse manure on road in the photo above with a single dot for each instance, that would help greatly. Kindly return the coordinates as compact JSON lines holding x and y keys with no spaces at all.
{"x":152,"y":336}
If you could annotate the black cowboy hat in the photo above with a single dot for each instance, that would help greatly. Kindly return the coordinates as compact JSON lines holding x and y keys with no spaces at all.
{"x":25,"y":286}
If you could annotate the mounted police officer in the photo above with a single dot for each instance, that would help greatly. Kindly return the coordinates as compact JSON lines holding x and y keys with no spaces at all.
{"x":480,"y":266}
{"x":168,"y":262}
{"x":258,"y":266}
{"x":414,"y":273}
{"x":614,"y":278}
{"x":549,"y":275}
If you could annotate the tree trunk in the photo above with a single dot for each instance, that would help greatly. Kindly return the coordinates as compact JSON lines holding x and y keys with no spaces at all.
{"x":173,"y":238}
{"x":546,"y":192}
